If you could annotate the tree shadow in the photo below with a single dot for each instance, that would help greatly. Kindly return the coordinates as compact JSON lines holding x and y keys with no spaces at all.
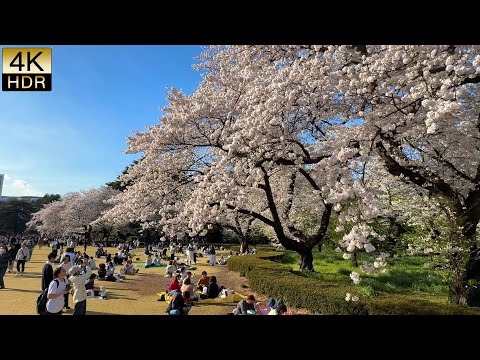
{"x":22,"y":290}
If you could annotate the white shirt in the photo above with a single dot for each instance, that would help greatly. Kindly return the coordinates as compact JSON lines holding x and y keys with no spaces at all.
{"x":92,"y":264}
{"x":56,"y":305}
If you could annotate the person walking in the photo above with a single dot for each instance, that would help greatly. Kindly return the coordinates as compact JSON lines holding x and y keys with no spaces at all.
{"x":47,"y":272}
{"x":4,"y":261}
{"x":78,"y":280}
{"x":23,"y":255}
{"x":12,"y":253}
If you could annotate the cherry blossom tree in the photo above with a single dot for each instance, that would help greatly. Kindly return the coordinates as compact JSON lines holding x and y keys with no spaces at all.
{"x":75,"y":213}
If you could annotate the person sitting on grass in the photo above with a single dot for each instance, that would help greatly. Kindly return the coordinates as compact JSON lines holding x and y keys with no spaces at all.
{"x":188,"y":275}
{"x":222,"y":260}
{"x":102,"y":272}
{"x":110,"y":272}
{"x":203,"y":281}
{"x":212,"y":290}
{"x":245,"y":305}
{"x":129,"y":269}
{"x":90,"y":285}
{"x":187,"y":286}
{"x":174,"y":285}
{"x":177,"y":305}
{"x":156,"y":261}
{"x":149,"y":262}
{"x":170,"y":270}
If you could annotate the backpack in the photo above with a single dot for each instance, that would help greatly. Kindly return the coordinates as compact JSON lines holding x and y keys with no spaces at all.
{"x":42,"y":300}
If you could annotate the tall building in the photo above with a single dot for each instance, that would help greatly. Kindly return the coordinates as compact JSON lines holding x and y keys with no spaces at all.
{"x":1,"y":183}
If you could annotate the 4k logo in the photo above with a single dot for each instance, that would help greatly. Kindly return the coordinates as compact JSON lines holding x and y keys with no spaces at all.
{"x":26,"y":69}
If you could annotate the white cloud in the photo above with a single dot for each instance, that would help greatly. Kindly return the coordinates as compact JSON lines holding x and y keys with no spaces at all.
{"x":18,"y":187}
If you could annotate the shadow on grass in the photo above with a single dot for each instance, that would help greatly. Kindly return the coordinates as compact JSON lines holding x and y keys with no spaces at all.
{"x":22,"y":290}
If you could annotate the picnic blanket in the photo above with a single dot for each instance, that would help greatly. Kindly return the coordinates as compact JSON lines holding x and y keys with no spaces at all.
{"x":154,"y":266}
{"x":228,"y":299}
{"x":167,"y":298}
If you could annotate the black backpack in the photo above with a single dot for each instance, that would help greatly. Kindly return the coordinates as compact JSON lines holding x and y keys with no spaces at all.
{"x":42,"y":300}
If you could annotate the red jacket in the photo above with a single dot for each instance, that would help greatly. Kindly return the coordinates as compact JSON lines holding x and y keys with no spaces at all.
{"x":174,"y":285}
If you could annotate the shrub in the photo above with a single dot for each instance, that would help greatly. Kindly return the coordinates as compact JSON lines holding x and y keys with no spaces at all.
{"x":277,"y":280}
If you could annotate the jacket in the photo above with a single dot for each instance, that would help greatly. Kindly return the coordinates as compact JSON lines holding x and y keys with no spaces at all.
{"x":174,"y":285}
{"x":4,"y":260}
{"x":23,"y":253}
{"x":213,"y":290}
{"x":47,"y":275}
{"x":78,"y":281}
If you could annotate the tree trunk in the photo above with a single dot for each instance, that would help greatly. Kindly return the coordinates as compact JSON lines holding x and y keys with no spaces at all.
{"x":243,"y":245}
{"x":465,"y":281}
{"x":354,"y":259}
{"x":319,"y":246}
{"x":306,"y":258}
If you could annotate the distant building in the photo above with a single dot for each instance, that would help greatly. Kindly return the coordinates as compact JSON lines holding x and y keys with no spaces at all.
{"x":21,"y":198}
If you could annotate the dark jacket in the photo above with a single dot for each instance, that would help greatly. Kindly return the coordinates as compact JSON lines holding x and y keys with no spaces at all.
{"x":47,"y":276}
{"x":4,"y":259}
{"x":212,"y":291}
{"x":177,"y":303}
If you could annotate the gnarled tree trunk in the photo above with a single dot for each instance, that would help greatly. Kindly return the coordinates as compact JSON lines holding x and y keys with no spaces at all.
{"x":306,"y":258}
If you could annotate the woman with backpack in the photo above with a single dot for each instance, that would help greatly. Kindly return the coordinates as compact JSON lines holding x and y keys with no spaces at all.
{"x":56,"y":292}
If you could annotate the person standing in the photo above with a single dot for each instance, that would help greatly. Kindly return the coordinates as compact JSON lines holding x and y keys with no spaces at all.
{"x":12,"y":253}
{"x":195,"y":249}
{"x":23,"y":255}
{"x":30,"y":247}
{"x":47,"y":272}
{"x":4,"y":261}
{"x":56,"y":291}
{"x":78,"y":280}
{"x":40,"y":243}
{"x":213,"y":256}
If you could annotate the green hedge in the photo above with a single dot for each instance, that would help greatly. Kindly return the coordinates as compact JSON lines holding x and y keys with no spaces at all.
{"x":274,"y":279}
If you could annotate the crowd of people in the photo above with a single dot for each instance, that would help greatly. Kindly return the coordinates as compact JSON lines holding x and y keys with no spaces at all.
{"x":67,"y":271}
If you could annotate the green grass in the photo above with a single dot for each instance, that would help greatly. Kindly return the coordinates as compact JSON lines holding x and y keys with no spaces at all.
{"x":405,"y":275}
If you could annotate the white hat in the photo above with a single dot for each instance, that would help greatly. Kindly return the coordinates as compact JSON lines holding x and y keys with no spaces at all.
{"x":75,"y":269}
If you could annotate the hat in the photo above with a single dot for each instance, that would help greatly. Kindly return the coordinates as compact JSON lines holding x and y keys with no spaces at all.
{"x":75,"y":269}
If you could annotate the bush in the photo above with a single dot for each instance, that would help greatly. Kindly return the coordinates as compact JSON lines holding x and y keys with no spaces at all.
{"x":276,"y":280}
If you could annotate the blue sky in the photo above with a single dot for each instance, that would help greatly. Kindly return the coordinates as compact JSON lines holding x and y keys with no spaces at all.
{"x":72,"y":138}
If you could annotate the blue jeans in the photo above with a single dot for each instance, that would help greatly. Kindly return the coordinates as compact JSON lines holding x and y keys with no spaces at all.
{"x":174,"y":312}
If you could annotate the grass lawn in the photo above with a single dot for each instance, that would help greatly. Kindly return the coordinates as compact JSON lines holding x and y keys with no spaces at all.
{"x":135,"y":296}
{"x":405,"y":275}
